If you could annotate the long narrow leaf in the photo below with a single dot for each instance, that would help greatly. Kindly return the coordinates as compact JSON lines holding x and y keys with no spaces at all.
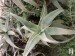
{"x":32,"y":2}
{"x":47,"y":20}
{"x":55,"y":2}
{"x":43,"y":12}
{"x":7,"y":39}
{"x":59,"y":31}
{"x":31,"y":43}
{"x":28,"y":25}
{"x":58,"y":23}
{"x":48,"y":39}
{"x":63,"y":2}
{"x":11,"y":33}
{"x":20,"y":5}
{"x":3,"y":28}
{"x":19,"y":29}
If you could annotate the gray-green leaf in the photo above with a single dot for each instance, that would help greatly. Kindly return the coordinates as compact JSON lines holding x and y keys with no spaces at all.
{"x":43,"y":12}
{"x":55,"y":2}
{"x":32,"y":2}
{"x":20,"y":5}
{"x":7,"y":39}
{"x":31,"y":43}
{"x":59,"y":31}
{"x":48,"y":38}
{"x":47,"y":20}
{"x":27,"y":25}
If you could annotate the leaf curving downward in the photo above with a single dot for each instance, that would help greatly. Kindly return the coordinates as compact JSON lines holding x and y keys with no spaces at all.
{"x":47,"y":38}
{"x":7,"y":39}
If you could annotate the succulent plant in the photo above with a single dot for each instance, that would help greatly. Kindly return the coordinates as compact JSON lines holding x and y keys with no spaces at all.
{"x":41,"y":32}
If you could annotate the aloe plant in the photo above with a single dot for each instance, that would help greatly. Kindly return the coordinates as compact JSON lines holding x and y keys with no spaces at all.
{"x":42,"y":31}
{"x":5,"y":31}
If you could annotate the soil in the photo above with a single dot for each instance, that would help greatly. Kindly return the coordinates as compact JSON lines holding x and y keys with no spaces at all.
{"x":47,"y":51}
